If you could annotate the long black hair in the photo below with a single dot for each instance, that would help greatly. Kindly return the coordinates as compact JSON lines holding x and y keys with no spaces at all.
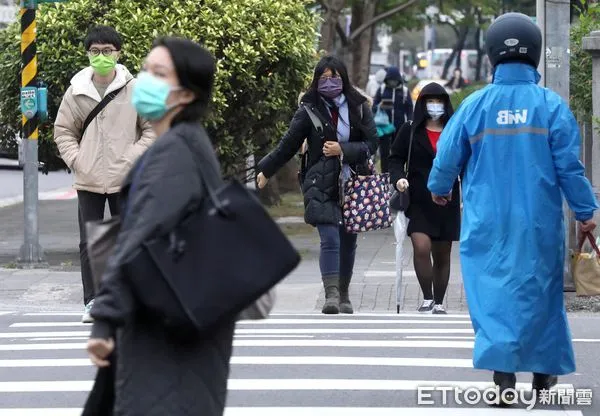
{"x":337,"y":67}
{"x":195,"y":67}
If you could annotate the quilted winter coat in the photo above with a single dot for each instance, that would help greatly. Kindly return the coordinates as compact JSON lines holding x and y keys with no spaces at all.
{"x":321,"y":184}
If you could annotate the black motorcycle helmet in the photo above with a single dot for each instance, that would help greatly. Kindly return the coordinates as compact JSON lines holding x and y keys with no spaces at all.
{"x":514,"y":37}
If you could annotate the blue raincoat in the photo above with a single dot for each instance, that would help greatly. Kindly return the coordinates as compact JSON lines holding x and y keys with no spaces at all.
{"x":519,"y":145}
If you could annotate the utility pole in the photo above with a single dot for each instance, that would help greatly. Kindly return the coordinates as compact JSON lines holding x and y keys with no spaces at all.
{"x":31,"y":251}
{"x":591,"y":44}
{"x":34,"y":106}
{"x":554,"y":19}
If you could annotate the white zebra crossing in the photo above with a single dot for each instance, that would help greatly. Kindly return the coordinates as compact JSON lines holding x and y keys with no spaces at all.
{"x":364,"y":355}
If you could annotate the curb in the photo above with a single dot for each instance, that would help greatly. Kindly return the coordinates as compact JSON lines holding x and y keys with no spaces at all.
{"x":60,"y":194}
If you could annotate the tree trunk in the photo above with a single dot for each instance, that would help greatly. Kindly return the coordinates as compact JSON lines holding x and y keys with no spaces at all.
{"x":360,"y":49}
{"x":460,"y":44}
{"x":329,"y":26}
{"x":479,"y":55}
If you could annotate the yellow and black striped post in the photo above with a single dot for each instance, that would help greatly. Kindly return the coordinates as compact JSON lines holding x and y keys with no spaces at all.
{"x":29,"y":60}
{"x":31,"y":251}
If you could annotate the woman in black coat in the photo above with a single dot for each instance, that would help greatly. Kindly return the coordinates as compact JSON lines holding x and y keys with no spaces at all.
{"x":349,"y":135}
{"x":156,"y":373}
{"x":432,"y":228}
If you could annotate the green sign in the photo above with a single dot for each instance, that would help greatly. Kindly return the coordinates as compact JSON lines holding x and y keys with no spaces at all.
{"x":29,"y":102}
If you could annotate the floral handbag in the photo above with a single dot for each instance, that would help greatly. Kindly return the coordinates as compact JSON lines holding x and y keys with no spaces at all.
{"x":366,"y":202}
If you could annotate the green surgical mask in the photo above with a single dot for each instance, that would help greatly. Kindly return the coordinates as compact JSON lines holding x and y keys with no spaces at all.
{"x":103,"y":65}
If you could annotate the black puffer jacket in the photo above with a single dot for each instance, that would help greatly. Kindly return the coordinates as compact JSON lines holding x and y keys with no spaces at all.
{"x":158,"y":375}
{"x":321,"y":187}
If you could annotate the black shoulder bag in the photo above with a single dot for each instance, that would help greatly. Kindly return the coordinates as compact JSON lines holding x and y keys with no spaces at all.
{"x":222,"y":257}
{"x":99,"y":107}
{"x":399,"y":201}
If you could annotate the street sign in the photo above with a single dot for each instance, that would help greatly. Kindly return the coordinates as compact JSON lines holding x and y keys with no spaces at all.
{"x":29,"y":102}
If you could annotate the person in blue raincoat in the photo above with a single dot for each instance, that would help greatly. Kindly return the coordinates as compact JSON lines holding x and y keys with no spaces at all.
{"x":519,"y":145}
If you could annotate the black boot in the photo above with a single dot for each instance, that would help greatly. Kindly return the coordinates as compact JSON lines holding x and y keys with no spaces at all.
{"x":332,"y":295}
{"x":543,"y":381}
{"x":505,"y":381}
{"x":345,"y":304}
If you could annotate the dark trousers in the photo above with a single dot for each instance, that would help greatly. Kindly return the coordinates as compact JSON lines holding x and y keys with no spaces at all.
{"x":385,"y":143}
{"x":91,"y":208}
{"x":338,"y":250}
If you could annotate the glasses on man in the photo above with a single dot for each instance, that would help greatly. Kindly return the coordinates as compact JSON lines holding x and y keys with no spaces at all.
{"x":105,"y":52}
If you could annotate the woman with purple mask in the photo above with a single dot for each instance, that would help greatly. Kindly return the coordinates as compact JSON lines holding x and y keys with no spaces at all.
{"x":350,"y":137}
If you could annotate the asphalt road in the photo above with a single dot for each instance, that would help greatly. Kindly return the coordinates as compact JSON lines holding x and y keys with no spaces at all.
{"x":297,"y":365}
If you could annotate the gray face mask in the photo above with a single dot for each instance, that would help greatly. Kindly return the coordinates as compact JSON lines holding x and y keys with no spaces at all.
{"x":435,"y":110}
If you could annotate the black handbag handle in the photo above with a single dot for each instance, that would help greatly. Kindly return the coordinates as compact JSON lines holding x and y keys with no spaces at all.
{"x":410,"y":143}
{"x":219,"y":206}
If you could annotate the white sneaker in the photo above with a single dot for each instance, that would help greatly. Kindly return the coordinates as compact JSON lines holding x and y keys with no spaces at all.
{"x":87,"y":318}
{"x":426,"y":306}
{"x":438,"y":310}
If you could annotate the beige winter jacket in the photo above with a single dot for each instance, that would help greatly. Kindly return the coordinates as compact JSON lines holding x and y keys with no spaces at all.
{"x":112,"y":142}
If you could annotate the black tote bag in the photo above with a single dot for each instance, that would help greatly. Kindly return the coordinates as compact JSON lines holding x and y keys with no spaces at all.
{"x":216,"y":262}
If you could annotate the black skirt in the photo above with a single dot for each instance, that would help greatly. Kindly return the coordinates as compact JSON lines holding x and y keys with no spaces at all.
{"x":439,"y":223}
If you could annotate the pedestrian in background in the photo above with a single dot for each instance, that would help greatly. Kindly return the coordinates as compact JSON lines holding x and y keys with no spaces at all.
{"x":157,"y":373}
{"x":431,"y":228}
{"x":519,"y":146}
{"x":375,"y":82}
{"x":394,"y":99}
{"x":350,"y":140}
{"x":114,"y":139}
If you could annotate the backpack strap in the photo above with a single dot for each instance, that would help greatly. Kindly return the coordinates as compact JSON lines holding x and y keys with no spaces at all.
{"x":99,"y":107}
{"x":316,"y":121}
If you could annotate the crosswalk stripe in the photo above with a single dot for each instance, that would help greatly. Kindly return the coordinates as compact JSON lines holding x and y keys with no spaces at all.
{"x":285,"y":344}
{"x":272,"y":360}
{"x":329,"y":411}
{"x":391,"y":322}
{"x":6,"y":313}
{"x":44,"y":334}
{"x":357,"y":331}
{"x":354,"y":343}
{"x":382,"y":315}
{"x":277,"y":343}
{"x":44,"y":347}
{"x":276,"y":321}
{"x":262,"y":384}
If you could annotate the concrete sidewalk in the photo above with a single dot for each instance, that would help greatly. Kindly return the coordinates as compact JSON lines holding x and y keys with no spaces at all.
{"x":58,"y":287}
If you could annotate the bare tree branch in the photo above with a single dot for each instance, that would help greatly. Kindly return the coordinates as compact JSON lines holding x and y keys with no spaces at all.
{"x":452,"y":26}
{"x":340,"y":31}
{"x":359,"y":30}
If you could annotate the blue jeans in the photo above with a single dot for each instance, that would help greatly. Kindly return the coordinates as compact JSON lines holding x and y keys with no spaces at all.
{"x":338,"y":249}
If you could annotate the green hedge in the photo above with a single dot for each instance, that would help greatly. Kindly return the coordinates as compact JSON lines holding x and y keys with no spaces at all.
{"x":458,"y":97}
{"x":264,"y":48}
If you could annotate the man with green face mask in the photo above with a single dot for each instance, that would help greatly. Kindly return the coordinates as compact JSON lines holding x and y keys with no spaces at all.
{"x":101,"y":152}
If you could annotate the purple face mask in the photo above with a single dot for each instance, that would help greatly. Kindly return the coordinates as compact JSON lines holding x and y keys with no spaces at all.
{"x":331,"y":87}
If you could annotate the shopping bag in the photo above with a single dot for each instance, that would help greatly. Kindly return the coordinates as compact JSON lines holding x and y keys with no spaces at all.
{"x":366,"y":202}
{"x":400,"y":226}
{"x":586,"y":269}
